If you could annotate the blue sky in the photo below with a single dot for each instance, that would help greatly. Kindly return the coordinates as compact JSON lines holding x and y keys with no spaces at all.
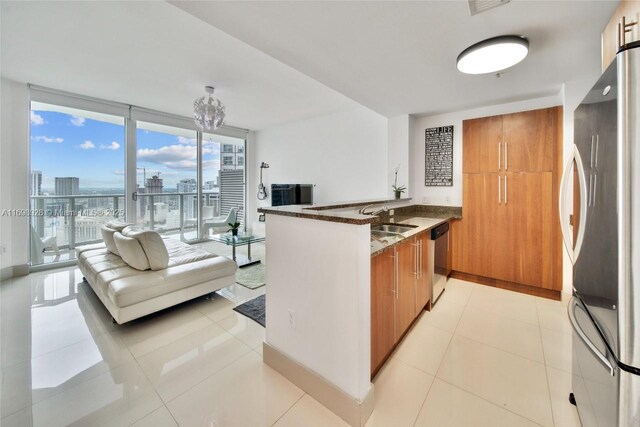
{"x":67,"y":145}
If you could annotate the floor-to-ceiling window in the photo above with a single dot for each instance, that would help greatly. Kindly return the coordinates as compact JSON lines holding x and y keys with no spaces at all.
{"x":76,"y":178}
{"x":167,"y":180}
{"x":223,"y":176}
{"x":93,"y":161}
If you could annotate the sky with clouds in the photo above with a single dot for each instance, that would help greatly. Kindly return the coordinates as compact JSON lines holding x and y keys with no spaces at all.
{"x":66,"y":145}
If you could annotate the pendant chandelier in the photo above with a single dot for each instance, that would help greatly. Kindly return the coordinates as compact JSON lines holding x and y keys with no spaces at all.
{"x":208,"y":112}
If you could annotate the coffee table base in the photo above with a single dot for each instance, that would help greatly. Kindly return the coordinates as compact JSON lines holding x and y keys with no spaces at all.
{"x":243,"y":261}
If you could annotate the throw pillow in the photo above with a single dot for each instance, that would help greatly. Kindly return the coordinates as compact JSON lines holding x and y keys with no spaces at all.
{"x":131,"y":251}
{"x":107,"y":237}
{"x":117,"y":225}
{"x":152,"y":245}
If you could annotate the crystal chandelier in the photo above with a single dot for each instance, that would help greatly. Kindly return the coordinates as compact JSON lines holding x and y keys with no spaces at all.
{"x":208,"y":112}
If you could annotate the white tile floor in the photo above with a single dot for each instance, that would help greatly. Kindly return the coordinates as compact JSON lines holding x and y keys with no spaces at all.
{"x":483,"y":357}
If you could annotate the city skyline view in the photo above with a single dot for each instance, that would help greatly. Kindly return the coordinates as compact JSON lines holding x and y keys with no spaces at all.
{"x":67,"y":145}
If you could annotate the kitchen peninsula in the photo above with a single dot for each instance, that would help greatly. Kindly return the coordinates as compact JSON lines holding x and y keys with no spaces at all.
{"x":319,"y":309}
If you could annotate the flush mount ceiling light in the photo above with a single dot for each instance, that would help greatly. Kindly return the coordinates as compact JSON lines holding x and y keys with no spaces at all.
{"x":208,"y":112}
{"x":492,"y":55}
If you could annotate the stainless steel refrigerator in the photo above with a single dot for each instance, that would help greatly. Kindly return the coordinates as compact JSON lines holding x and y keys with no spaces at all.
{"x":605,"y":248}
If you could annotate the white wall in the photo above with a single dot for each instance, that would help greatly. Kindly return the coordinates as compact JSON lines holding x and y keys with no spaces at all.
{"x":452,"y":196}
{"x":344,"y":155}
{"x":399,"y":141}
{"x":14,"y":172}
{"x":321,"y":271}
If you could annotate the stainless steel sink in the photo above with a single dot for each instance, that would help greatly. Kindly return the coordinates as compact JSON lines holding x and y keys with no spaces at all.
{"x":392,"y":228}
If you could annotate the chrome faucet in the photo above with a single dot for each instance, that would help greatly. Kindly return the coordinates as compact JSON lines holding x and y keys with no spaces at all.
{"x":363,"y":211}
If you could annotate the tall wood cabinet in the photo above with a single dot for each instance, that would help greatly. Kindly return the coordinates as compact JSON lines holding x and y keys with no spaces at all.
{"x":509,"y":230}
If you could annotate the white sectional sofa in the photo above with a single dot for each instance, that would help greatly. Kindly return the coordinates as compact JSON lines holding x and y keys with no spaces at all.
{"x":143,"y":273}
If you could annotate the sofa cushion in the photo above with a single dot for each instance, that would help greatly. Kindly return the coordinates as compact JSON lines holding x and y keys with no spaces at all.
{"x":131,"y":251}
{"x":107,"y":237}
{"x":151,"y":284}
{"x":152,"y":245}
{"x":180,"y":253}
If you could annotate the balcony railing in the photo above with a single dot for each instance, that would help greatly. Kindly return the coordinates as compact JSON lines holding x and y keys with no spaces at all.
{"x":76,"y":220}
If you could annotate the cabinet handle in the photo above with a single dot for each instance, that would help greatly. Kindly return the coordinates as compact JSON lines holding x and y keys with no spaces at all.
{"x":499,"y":190}
{"x":415,"y":258}
{"x":591,"y":154}
{"x":590,"y":189}
{"x":505,"y":190}
{"x":597,"y":141}
{"x":595,"y":187}
{"x":421,"y":258}
{"x":499,"y":156}
{"x":395,"y":269}
{"x":393,"y":290}
{"x":506,"y":155}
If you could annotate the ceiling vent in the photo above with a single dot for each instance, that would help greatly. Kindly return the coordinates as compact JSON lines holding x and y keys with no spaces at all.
{"x":479,"y":6}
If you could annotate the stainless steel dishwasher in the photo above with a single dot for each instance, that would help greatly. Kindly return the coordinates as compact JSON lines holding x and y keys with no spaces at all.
{"x":441,"y":267}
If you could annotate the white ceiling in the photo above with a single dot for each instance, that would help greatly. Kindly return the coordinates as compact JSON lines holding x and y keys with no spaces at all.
{"x":154,"y":55}
{"x":399,"y":57}
{"x":393,"y":57}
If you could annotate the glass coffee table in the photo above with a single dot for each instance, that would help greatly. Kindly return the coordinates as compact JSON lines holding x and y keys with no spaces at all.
{"x":242,"y":239}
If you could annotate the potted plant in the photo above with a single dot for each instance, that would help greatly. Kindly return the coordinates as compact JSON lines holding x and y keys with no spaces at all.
{"x":398,"y":190}
{"x":234,"y":228}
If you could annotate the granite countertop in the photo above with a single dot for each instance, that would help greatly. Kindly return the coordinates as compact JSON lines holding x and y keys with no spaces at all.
{"x":379,"y":245}
{"x":330,"y":212}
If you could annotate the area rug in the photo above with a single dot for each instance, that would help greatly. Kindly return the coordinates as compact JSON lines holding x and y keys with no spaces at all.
{"x":251,"y":277}
{"x":254,"y":309}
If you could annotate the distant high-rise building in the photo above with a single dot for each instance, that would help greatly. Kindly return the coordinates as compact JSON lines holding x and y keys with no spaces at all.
{"x":210,"y":185}
{"x":189,"y":207}
{"x":153,"y":185}
{"x":187,"y":186}
{"x":36,"y":183}
{"x":67,"y":186}
{"x":231,"y":157}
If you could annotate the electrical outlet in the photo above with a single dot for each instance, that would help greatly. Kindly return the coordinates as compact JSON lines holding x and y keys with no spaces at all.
{"x":448,"y":199}
{"x":292,"y":319}
{"x":425,"y":199}
{"x":3,"y":250}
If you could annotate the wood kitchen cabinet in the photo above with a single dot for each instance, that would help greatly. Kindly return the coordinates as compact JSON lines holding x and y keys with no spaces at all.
{"x":400,"y":290}
{"x":518,"y":142}
{"x":383,"y":334}
{"x":630,"y":10}
{"x":509,"y":234}
{"x":423,"y":277}
{"x":527,"y":141}
{"x":405,"y":290}
{"x":481,"y":141}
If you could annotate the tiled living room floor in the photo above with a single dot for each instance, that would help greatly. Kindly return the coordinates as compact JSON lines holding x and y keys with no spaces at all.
{"x":482,"y":357}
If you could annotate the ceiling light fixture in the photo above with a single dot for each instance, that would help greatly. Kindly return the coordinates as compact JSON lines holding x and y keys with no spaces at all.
{"x":208,"y":112}
{"x":492,"y":55}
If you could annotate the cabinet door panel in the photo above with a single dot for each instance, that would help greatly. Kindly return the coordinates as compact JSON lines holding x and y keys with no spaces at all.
{"x":528,"y":141}
{"x":480,"y":144}
{"x":423,"y":282}
{"x":382,"y":307}
{"x":530,"y":228}
{"x":481,"y":240}
{"x":405,"y":297}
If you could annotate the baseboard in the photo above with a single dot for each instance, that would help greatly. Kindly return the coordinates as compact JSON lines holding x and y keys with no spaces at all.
{"x":14,"y":271}
{"x":511,"y":286}
{"x":354,"y":412}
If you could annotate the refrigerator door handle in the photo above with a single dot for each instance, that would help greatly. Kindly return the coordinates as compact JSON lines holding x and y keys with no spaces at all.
{"x":574,"y":251}
{"x":596,"y":352}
